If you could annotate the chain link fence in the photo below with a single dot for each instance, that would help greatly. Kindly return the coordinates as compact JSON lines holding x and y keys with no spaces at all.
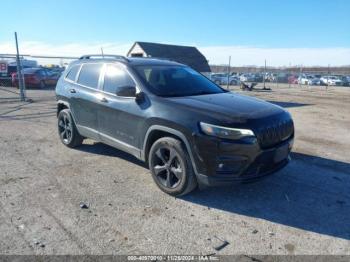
{"x":274,"y":77}
{"x":37,"y":72}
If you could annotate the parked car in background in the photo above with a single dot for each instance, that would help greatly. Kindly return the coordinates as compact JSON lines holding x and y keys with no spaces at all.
{"x":293,"y":79}
{"x":314,"y":81}
{"x":281,"y":77}
{"x":221,"y":79}
{"x":331,"y":80}
{"x":303,"y":79}
{"x":36,"y":78}
{"x":270,"y":77}
{"x":258,"y":77}
{"x":345,"y":80}
{"x":57,"y":71}
{"x":247,"y":78}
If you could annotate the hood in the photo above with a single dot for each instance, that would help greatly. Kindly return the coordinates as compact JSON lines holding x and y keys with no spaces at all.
{"x":229,"y":104}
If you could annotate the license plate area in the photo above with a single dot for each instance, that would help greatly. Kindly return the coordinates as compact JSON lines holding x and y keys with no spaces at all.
{"x":281,"y":153}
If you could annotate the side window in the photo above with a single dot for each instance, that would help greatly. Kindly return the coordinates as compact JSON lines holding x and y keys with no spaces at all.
{"x":116,"y":79}
{"x":41,"y":73}
{"x":89,"y":75}
{"x":73,"y":72}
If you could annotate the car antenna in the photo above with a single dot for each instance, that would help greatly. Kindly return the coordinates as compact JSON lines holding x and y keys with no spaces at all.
{"x":102,"y":52}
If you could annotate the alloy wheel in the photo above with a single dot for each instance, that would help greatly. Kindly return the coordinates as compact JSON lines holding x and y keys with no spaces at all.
{"x":65,"y":129}
{"x":168,"y":167}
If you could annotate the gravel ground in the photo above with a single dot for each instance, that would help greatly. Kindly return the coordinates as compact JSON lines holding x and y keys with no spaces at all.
{"x":303,"y":209}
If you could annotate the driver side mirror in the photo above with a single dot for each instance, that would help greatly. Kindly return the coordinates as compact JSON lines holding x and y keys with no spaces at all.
{"x":127,"y":91}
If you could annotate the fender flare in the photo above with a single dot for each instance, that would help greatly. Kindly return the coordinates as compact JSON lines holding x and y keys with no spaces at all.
{"x":173,"y":132}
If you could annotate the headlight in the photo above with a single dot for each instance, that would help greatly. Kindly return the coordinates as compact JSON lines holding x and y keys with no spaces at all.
{"x":225,"y":132}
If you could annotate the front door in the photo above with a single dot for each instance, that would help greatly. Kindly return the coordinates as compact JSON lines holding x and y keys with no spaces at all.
{"x":119,"y":117}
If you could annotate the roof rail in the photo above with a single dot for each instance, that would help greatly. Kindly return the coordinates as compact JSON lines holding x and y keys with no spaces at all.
{"x":105,"y":56}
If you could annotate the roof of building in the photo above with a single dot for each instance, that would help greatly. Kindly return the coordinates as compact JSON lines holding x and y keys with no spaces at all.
{"x":187,"y":55}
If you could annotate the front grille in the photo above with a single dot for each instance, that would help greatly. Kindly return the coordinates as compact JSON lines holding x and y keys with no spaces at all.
{"x":273,"y":134}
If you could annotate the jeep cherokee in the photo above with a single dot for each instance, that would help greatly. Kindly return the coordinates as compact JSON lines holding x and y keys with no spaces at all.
{"x":189,"y":130}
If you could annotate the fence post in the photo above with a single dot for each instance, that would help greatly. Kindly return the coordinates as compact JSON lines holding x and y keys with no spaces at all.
{"x":264,"y":75}
{"x":19,"y":72}
{"x":228,"y":73}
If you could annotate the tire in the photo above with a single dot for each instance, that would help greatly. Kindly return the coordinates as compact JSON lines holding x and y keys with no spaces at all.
{"x":67,"y":130}
{"x":42,"y":84}
{"x":233,"y":83}
{"x":171,"y":167}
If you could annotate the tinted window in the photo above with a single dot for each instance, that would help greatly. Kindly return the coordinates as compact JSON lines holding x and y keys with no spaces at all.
{"x":176,"y":81}
{"x":89,"y":75}
{"x":73,"y":72}
{"x":116,"y":79}
{"x":41,"y":72}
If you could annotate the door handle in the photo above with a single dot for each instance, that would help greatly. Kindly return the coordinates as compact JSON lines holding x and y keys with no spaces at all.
{"x":72,"y":91}
{"x":104,"y":100}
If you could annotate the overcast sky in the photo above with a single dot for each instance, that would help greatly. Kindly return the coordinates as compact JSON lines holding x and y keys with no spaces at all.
{"x":282,"y":32}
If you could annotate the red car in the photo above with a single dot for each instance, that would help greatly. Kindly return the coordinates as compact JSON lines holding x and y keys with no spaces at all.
{"x":36,"y":78}
{"x":293,"y":79}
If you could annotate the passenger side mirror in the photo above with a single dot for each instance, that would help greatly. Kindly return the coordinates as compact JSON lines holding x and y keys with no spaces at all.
{"x":127,"y":91}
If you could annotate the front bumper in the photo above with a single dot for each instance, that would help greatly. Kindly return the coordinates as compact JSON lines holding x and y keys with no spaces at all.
{"x":227,"y":162}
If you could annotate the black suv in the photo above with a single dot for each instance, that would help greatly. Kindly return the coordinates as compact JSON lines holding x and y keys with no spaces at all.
{"x":189,"y":130}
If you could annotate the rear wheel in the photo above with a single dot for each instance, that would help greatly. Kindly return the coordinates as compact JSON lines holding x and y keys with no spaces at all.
{"x":171,"y":167}
{"x":67,"y":130}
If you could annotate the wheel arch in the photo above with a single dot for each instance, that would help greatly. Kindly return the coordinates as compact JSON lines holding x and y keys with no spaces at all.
{"x":61,"y":105}
{"x":155,"y":132}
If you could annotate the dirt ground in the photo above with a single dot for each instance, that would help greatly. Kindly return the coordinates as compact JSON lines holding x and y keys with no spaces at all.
{"x":303,"y":209}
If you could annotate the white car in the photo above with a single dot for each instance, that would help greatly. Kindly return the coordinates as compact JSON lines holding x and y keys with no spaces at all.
{"x":308,"y":80}
{"x":331,"y":80}
{"x":247,"y":78}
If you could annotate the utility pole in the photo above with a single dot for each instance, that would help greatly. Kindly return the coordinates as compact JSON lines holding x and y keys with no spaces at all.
{"x":264,"y":78}
{"x":228,"y":72}
{"x":19,"y":72}
{"x":301,"y":71}
{"x":290,"y":74}
{"x":102,"y":52}
{"x":328,"y":77}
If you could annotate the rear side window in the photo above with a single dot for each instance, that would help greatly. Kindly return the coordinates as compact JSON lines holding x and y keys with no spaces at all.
{"x":73,"y":72}
{"x":116,"y":79}
{"x":89,"y":75}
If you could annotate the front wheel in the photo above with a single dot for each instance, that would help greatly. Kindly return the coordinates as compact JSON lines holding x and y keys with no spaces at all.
{"x":67,"y":130}
{"x":171,"y":167}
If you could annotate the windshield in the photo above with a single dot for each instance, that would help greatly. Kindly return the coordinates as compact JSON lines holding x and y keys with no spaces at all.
{"x":176,"y":81}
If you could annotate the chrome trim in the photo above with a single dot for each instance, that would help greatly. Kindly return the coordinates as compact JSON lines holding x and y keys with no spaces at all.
{"x":101,"y":79}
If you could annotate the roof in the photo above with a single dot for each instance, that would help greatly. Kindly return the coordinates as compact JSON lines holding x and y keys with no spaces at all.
{"x":187,"y":55}
{"x":120,"y":59}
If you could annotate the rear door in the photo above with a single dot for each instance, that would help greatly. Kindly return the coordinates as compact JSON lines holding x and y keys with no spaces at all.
{"x":84,"y":99}
{"x":119,"y":117}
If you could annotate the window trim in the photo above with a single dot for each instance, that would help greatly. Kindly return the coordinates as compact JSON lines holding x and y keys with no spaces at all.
{"x":99,"y":77}
{"x":76,"y":76}
{"x":123,"y":67}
